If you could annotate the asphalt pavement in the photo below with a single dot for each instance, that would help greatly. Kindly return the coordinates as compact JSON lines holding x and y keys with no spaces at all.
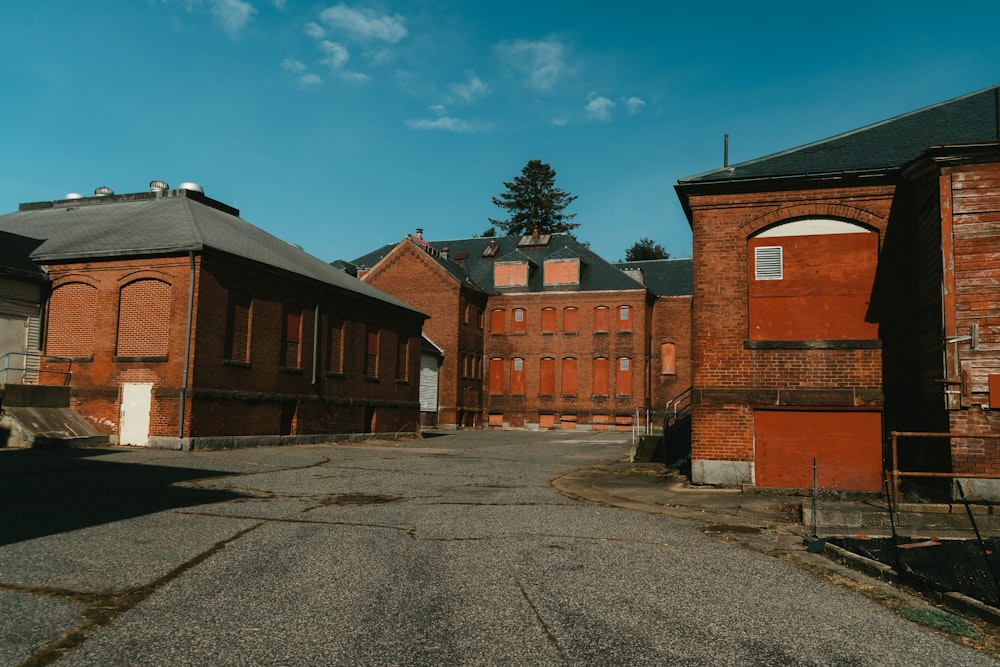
{"x":475,"y":547}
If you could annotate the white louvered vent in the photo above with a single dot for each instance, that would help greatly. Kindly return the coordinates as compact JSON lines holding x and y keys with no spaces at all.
{"x":767,"y":263}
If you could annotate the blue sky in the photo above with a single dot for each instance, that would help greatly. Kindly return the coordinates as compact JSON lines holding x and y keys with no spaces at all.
{"x":342,"y":126}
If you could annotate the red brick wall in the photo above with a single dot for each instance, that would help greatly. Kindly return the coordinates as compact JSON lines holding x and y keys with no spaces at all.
{"x":671,"y":323}
{"x":584,"y":346}
{"x":255,"y":398}
{"x":412,"y":276}
{"x":729,"y":376}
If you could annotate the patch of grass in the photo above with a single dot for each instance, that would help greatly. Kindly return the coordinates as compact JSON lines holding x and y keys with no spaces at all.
{"x":940,"y":620}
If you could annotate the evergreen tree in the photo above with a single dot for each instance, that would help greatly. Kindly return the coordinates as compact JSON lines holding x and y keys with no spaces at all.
{"x":645,"y":249}
{"x":534,"y":202}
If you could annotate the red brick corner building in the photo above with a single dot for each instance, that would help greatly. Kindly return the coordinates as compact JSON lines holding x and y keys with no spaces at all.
{"x":185,"y":326}
{"x":845,"y":289}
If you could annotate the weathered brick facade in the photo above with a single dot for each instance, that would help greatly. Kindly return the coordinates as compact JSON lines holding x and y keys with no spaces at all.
{"x":229,"y":349}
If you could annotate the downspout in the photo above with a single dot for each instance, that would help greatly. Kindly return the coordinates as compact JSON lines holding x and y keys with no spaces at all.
{"x":315,"y":364}
{"x":187,"y":347}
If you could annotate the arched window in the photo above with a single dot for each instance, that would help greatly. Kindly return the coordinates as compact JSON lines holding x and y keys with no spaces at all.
{"x":496,"y":376}
{"x":548,"y":320}
{"x":518,"y":321}
{"x":547,"y":376}
{"x":623,"y":377}
{"x":601,"y":319}
{"x":517,"y":376}
{"x":238,"y":317}
{"x":571,"y":320}
{"x":600,"y":376}
{"x":569,"y":376}
{"x":144,"y":318}
{"x":497,"y":324}
{"x":624,"y":319}
{"x":70,"y":331}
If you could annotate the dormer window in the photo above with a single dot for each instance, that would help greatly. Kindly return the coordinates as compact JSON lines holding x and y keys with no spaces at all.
{"x":562,"y":271}
{"x":510,"y":274}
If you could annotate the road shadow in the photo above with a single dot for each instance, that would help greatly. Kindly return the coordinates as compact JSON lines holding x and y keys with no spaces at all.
{"x":45,"y":492}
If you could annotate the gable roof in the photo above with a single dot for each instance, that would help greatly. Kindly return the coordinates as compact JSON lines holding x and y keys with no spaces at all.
{"x":665,"y":277}
{"x":884,"y":146}
{"x":481,"y":253}
{"x":177,"y":221}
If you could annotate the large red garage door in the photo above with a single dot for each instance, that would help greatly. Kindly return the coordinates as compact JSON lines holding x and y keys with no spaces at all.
{"x":847,"y":447}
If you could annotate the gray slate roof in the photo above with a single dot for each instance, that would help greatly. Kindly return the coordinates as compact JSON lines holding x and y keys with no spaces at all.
{"x":179,"y":222}
{"x":665,"y":277}
{"x":884,"y":146}
{"x":595,"y":272}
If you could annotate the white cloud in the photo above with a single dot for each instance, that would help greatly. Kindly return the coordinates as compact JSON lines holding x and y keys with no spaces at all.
{"x":314,"y":30}
{"x":443,"y":123}
{"x":336,"y":54}
{"x":599,"y":107}
{"x":233,"y":14}
{"x":355,"y":77}
{"x":293,"y":66}
{"x":635,"y":105}
{"x":471,"y":89}
{"x":365,"y":24}
{"x":307,"y":80}
{"x":279,"y":4}
{"x":543,"y":61}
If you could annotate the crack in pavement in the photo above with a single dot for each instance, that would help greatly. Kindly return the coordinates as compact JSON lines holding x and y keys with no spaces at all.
{"x":545,"y":626}
{"x":103,"y":608}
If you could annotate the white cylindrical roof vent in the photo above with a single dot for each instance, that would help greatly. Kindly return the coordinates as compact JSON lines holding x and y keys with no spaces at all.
{"x":73,"y":195}
{"x":103,"y":191}
{"x":158,"y":186}
{"x":193,"y":187}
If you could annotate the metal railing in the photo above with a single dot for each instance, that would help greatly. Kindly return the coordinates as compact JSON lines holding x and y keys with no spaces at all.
{"x":31,"y":366}
{"x":896,"y":474}
{"x":677,"y":408}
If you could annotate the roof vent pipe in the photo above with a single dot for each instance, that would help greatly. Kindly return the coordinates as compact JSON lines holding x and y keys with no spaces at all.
{"x":103,"y":191}
{"x":158,"y":186}
{"x":420,"y":233}
{"x":191,"y":187}
{"x":725,"y":152}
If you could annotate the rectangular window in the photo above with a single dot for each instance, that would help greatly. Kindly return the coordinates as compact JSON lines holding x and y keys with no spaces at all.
{"x":291,"y":337}
{"x":335,"y":345}
{"x":569,"y":377}
{"x":238,"y":326}
{"x":623,"y":380}
{"x":668,"y":365}
{"x":767,"y":263}
{"x":571,"y":320}
{"x":371,"y":350}
{"x":548,"y":320}
{"x":601,"y":319}
{"x":402,"y":356}
{"x":624,"y":318}
{"x":600,"y":376}
{"x":518,"y":325}
{"x":517,"y":376}
{"x":497,"y":322}
{"x":496,"y":376}
{"x":547,"y":377}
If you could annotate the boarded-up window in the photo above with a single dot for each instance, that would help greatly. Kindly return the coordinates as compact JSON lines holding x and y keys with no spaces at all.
{"x":569,"y":376}
{"x":402,"y":356}
{"x":600,"y":376}
{"x":624,"y":318}
{"x":496,"y":376}
{"x":510,"y":275}
{"x":144,"y":319}
{"x":571,"y":320}
{"x":668,"y":364}
{"x":238,"y":326}
{"x":562,"y":272}
{"x":517,"y":376}
{"x":547,"y":377}
{"x":335,"y":345}
{"x":291,"y":337}
{"x":518,"y":323}
{"x":601,"y":319}
{"x":497,"y":324}
{"x":70,"y":330}
{"x":623,"y":378}
{"x":371,"y":350}
{"x":548,"y":320}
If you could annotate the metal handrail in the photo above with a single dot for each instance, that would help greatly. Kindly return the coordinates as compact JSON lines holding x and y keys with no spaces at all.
{"x":678,"y":407}
{"x":5,"y":366}
{"x":897,"y":473}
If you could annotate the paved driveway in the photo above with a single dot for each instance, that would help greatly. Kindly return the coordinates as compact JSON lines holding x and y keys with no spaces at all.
{"x":450,"y":550}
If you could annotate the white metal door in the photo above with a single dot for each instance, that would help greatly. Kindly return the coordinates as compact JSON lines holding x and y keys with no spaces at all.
{"x":136,"y":403}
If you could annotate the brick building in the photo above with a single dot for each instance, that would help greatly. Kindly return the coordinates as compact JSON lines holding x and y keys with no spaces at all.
{"x":845,"y":289}
{"x":539,"y":331}
{"x":185,"y":326}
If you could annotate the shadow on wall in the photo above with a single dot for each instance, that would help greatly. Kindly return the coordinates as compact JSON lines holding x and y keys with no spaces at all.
{"x":45,"y":492}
